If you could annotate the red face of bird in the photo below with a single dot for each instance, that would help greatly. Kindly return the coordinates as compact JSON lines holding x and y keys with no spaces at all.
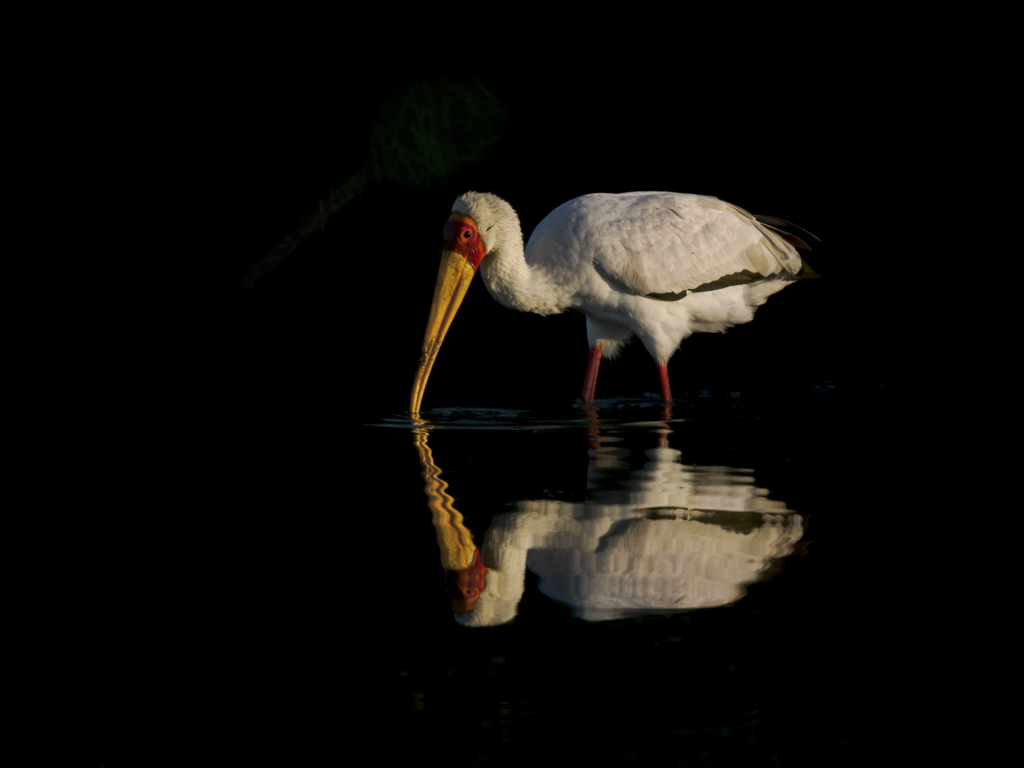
{"x":464,"y":586}
{"x":463,"y":251}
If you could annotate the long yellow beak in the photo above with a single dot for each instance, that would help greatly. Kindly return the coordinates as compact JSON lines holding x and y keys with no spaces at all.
{"x":453,"y":281}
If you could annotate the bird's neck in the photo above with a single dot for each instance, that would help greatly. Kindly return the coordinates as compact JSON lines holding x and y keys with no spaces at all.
{"x":515,"y":283}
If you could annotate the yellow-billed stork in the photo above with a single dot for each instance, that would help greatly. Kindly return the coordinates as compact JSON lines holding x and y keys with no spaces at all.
{"x":659,"y":265}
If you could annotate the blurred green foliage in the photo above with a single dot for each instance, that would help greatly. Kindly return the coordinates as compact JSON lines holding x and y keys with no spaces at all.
{"x":422,"y":136}
{"x":431,"y":130}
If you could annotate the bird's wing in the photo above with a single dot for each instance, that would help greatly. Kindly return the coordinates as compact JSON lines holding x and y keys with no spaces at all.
{"x":664,"y":244}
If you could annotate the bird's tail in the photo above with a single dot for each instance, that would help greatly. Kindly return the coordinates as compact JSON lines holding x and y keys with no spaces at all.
{"x":780,"y":228}
{"x":806,"y":271}
{"x":756,"y":294}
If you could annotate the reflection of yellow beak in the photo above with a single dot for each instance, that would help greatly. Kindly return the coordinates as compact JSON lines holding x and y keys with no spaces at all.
{"x":452,"y":283}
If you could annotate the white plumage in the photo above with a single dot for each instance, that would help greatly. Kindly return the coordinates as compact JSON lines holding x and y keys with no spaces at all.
{"x":660,"y":265}
{"x":654,"y":540}
{"x":604,"y":255}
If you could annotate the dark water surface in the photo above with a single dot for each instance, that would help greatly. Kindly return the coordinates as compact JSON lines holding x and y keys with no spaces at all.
{"x":713,"y":585}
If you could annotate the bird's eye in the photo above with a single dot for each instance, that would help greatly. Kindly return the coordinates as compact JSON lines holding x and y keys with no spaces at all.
{"x":467,"y":234}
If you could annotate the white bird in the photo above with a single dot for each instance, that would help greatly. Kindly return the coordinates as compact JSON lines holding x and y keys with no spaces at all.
{"x":669,"y":537}
{"x":658,"y":265}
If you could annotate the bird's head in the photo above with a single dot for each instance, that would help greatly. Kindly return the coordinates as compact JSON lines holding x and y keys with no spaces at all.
{"x":465,"y":585}
{"x":474,"y":228}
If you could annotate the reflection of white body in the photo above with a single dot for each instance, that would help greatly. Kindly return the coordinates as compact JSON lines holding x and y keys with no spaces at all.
{"x":654,"y":542}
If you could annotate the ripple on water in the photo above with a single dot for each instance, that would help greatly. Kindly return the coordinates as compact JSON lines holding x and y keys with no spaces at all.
{"x":633,"y":411}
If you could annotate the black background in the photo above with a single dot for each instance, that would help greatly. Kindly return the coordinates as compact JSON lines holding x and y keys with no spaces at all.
{"x":150,"y":602}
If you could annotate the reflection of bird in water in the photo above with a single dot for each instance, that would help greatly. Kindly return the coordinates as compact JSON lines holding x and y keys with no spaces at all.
{"x":666,"y":538}
{"x":660,"y":265}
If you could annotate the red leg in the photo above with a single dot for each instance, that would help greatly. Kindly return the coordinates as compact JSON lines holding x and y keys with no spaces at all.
{"x":666,"y":390}
{"x":590,"y":382}
{"x":665,"y":431}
